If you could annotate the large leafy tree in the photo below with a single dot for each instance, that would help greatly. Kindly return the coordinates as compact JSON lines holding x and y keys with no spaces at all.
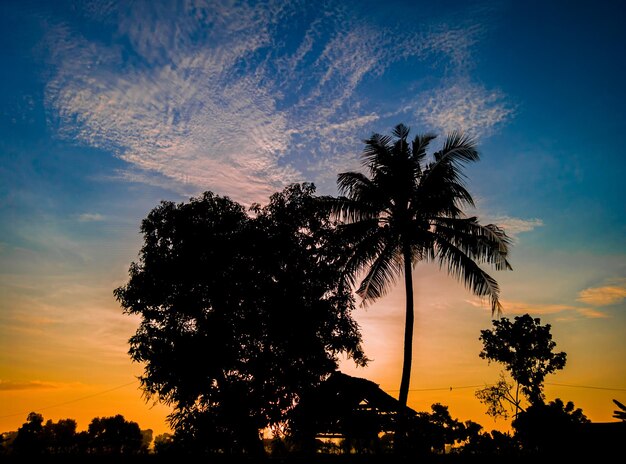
{"x":410,"y":209}
{"x":239,"y":312}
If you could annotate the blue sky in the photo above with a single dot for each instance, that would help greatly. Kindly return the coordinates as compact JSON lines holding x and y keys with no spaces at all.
{"x":107,"y":108}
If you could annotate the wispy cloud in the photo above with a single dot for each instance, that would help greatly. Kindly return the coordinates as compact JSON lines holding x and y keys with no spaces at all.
{"x":454,"y":42}
{"x":7,"y":385}
{"x":90,"y":217}
{"x":512,"y":308}
{"x":463,"y":106}
{"x":604,"y":296}
{"x":515,"y":226}
{"x":219,"y":100}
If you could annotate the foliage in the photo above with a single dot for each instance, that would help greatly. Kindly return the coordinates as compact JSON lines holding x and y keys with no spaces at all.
{"x":494,"y":443}
{"x":164,"y":444}
{"x":431,"y":432}
{"x":239,"y":312}
{"x":499,"y":398}
{"x":410,"y":210}
{"x":621,"y":412}
{"x":525,"y":348}
{"x":548,"y":428}
{"x":30,"y":436}
{"x":115,"y":435}
{"x":107,"y":435}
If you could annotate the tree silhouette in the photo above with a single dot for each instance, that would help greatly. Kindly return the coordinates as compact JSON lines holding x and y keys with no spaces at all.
{"x":551,"y":428}
{"x":239,"y":312}
{"x":61,"y":436}
{"x":30,"y":436}
{"x":431,"y":432}
{"x":525,"y":348}
{"x":410,"y":210}
{"x":115,"y":435}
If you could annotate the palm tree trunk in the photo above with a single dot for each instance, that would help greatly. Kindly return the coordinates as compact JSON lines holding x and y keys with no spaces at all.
{"x":402,"y":425}
{"x":408,"y":329}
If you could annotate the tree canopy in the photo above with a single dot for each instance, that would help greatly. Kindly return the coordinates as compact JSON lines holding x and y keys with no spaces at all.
{"x":240,"y":310}
{"x":105,"y":436}
{"x":525,"y":348}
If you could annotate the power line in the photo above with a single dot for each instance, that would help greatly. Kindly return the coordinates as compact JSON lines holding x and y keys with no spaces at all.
{"x":488,"y":385}
{"x":72,"y":401}
{"x":586,"y":386}
{"x":438,"y":388}
{"x":450,"y":388}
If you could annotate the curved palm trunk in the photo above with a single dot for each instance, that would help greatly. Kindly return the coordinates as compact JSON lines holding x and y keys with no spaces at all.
{"x":408,"y":329}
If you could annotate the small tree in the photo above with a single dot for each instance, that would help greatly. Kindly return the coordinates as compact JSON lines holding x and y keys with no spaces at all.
{"x":525,"y":348}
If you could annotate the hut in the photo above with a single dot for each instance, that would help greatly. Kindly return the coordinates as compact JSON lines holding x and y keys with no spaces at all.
{"x":352,"y":410}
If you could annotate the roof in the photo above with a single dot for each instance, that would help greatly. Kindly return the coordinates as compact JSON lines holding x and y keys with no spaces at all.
{"x":345,"y":405}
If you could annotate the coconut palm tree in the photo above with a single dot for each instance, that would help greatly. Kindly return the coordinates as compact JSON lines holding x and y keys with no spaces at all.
{"x":409,"y":210}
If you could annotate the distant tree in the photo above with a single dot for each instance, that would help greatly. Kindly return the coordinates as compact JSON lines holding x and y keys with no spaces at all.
{"x":525,"y":348}
{"x":146,"y":440}
{"x":239,"y":312}
{"x":549,"y":428}
{"x":35,"y":437}
{"x":494,"y":443}
{"x":61,"y":436}
{"x":410,"y":210}
{"x":6,"y":442}
{"x":431,"y":432}
{"x":164,"y":443}
{"x":30,"y":437}
{"x":114,"y":435}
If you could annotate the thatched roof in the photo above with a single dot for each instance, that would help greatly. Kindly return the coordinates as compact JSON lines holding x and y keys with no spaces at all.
{"x":347,"y":406}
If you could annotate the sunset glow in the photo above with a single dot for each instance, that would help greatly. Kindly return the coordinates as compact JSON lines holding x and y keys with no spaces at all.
{"x":110,"y":107}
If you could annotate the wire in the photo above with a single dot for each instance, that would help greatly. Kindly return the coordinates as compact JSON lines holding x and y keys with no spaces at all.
{"x":74,"y":400}
{"x":438,"y":388}
{"x":411,"y":390}
{"x":586,"y":386}
{"x":487,"y":385}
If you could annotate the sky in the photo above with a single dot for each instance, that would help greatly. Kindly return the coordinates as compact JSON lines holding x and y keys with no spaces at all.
{"x":108,"y":108}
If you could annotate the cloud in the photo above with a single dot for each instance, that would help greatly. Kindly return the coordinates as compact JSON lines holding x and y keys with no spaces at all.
{"x":90,"y":217}
{"x":454,"y":42}
{"x":515,"y":226}
{"x":512,"y":308}
{"x":7,"y":385}
{"x":219,"y":100}
{"x":463,"y":106}
{"x":592,"y":313}
{"x":603,"y":296}
{"x":520,"y":307}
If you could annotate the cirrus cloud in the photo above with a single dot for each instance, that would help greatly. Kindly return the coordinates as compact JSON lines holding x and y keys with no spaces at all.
{"x":464,"y":106}
{"x":219,"y":100}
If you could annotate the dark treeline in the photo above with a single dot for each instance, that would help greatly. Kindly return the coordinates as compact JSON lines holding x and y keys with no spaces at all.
{"x":105,"y":436}
{"x":554,"y":429}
